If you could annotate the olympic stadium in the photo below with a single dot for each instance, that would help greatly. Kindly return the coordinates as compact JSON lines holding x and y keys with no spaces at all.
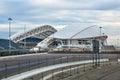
{"x":73,"y":38}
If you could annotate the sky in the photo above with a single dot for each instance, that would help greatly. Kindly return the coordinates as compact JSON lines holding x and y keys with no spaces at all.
{"x":60,"y":13}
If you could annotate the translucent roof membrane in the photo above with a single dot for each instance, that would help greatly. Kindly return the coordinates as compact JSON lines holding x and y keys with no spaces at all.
{"x":76,"y":32}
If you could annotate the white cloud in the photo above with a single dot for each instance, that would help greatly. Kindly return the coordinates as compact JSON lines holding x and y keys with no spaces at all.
{"x":3,"y":8}
{"x":77,"y":4}
{"x":44,"y":2}
{"x":16,"y":27}
{"x":61,"y":4}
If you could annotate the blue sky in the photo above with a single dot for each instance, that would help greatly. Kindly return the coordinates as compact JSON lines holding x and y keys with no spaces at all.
{"x":60,"y":13}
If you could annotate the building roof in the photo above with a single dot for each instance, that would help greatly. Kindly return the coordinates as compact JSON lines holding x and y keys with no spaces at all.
{"x":41,"y":32}
{"x":75,"y":32}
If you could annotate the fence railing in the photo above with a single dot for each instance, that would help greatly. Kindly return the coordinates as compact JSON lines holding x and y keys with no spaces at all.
{"x":10,"y":68}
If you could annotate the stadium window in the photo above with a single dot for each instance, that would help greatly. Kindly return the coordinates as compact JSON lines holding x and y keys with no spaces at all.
{"x":79,"y":41}
{"x":86,"y":42}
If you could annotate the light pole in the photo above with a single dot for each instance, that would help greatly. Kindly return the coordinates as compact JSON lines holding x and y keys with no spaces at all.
{"x":100,"y":30}
{"x":100,"y":37}
{"x":9,"y":20}
{"x":25,"y":36}
{"x":100,"y":47}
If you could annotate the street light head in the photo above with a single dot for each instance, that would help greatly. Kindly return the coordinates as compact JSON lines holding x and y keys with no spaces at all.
{"x":10,"y":19}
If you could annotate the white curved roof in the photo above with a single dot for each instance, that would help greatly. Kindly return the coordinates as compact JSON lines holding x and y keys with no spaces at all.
{"x":75,"y":32}
{"x":40,"y":32}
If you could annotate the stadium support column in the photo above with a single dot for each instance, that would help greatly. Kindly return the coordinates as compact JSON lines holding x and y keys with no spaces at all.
{"x":69,"y":44}
{"x":9,"y":20}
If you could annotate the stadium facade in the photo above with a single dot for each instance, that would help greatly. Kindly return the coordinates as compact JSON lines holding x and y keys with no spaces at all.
{"x":31,"y":38}
{"x":76,"y":38}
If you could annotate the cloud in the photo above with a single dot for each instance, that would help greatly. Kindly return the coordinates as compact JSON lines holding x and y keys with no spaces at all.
{"x":47,"y":11}
{"x":77,"y":4}
{"x":60,"y":4}
{"x":107,"y":5}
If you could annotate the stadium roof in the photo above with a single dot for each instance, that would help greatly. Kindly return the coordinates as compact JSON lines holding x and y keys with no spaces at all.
{"x":75,"y":32}
{"x":39,"y":32}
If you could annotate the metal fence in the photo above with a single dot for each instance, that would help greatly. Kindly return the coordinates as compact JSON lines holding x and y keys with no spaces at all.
{"x":11,"y":67}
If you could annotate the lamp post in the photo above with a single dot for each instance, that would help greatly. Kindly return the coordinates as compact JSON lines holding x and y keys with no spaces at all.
{"x":100,"y":30}
{"x":9,"y":20}
{"x":100,"y":37}
{"x":25,"y":36}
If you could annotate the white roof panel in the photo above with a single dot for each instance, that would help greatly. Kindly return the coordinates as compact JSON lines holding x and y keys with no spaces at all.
{"x":68,"y":31}
{"x":76,"y":32}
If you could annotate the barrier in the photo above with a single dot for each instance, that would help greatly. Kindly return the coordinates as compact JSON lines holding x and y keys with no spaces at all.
{"x":44,"y":69}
